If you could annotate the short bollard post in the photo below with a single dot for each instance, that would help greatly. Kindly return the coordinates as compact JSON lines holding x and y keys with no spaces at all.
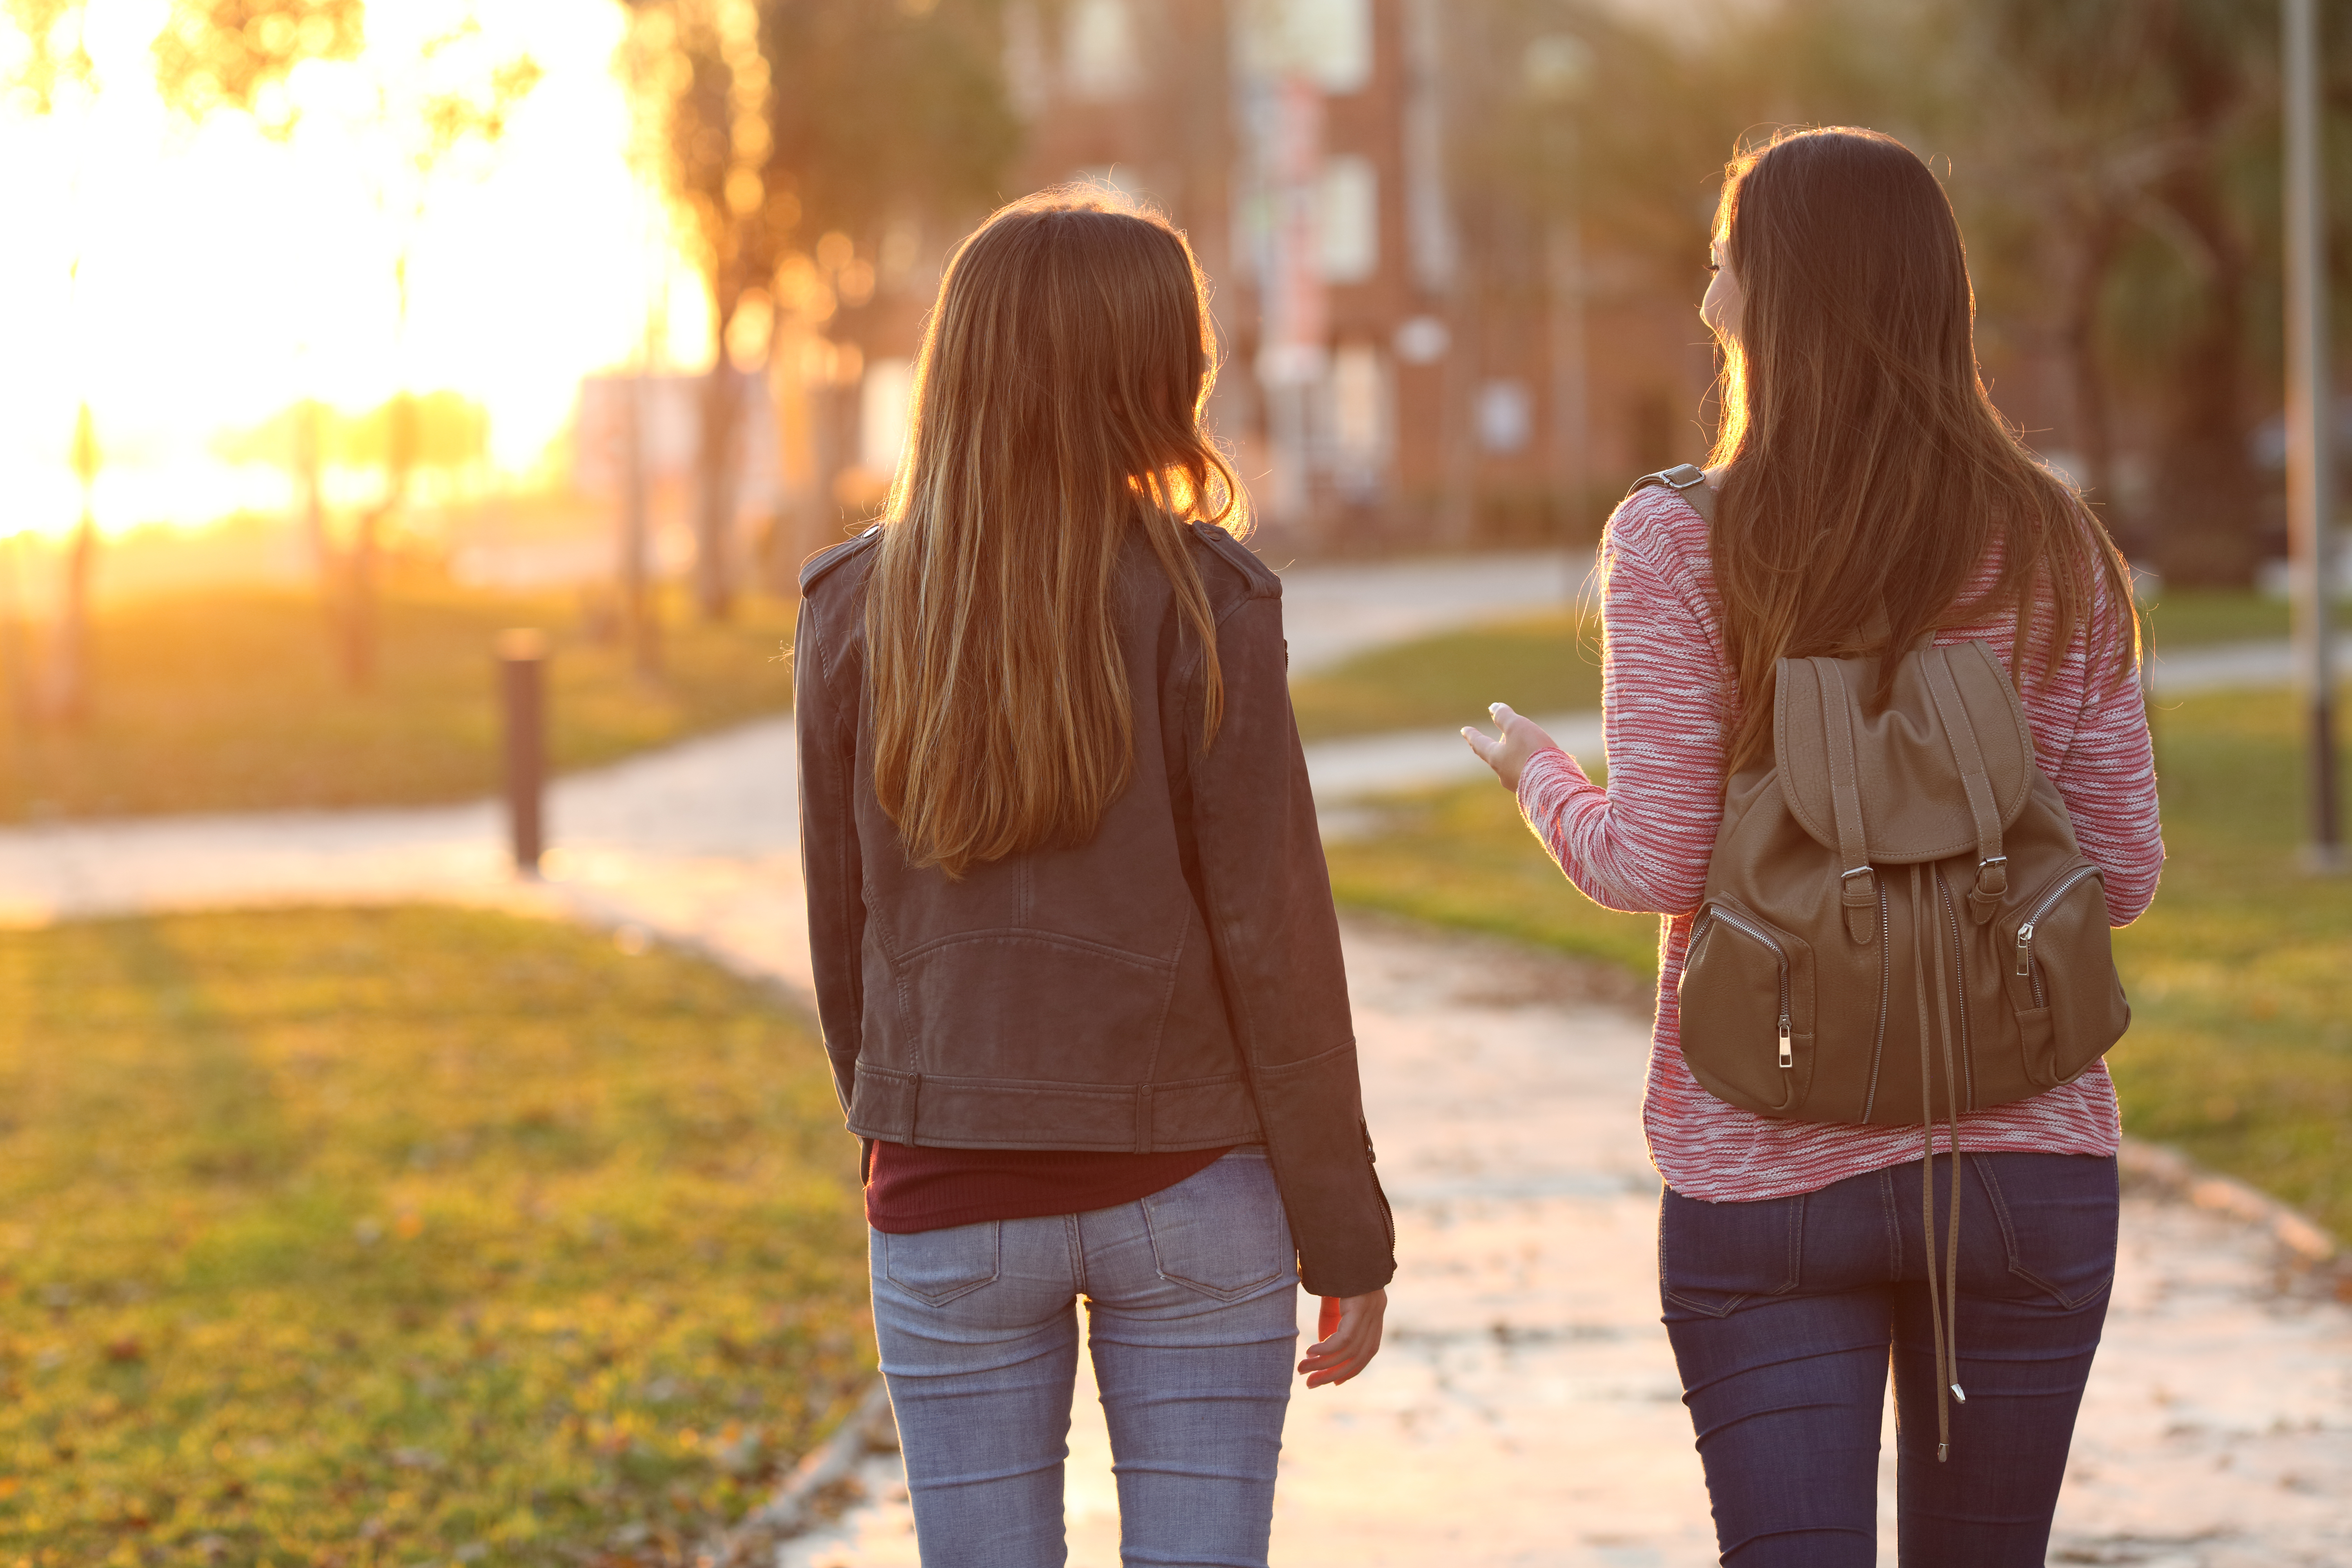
{"x":523,"y":691}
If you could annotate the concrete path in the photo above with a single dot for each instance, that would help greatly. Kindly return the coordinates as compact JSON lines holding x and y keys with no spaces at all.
{"x":1331,"y":612}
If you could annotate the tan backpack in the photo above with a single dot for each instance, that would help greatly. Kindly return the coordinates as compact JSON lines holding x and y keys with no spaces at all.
{"x":1876,"y":860}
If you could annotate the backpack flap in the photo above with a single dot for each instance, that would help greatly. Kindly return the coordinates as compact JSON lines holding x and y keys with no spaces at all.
{"x":1944,"y":768}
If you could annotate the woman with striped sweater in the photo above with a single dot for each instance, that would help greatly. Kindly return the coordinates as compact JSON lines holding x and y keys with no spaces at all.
{"x":1866,"y":492}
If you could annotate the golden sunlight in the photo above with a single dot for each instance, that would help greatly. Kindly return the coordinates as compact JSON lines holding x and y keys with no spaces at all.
{"x":189,"y":281}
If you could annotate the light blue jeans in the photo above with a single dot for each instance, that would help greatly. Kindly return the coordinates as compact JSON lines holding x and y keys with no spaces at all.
{"x":1192,"y":1300}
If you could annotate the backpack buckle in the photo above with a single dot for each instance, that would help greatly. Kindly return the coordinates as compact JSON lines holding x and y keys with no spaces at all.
{"x":1858,"y":901}
{"x":1992,"y":885}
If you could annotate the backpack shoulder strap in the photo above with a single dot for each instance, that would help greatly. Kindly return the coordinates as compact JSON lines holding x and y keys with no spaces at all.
{"x":1684,"y":480}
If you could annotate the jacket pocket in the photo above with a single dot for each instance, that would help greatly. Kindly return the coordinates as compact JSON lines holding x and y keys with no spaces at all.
{"x":934,"y":1267}
{"x":1747,"y":1010}
{"x":1220,"y":1231}
{"x":2058,"y":964}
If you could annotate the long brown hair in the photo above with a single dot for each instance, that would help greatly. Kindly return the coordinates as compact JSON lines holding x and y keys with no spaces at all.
{"x":1058,"y":410}
{"x":1867,"y":470}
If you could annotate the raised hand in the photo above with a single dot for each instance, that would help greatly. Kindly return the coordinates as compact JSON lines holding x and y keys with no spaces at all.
{"x":1521,"y":739}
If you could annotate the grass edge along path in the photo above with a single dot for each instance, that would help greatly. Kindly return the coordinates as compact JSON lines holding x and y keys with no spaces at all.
{"x":228,"y":701}
{"x":408,"y":1236}
{"x":2240,"y":977}
{"x":1551,"y":663}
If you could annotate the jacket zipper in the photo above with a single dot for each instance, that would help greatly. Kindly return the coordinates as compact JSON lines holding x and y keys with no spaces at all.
{"x":2026,"y":969}
{"x":1788,"y":1056}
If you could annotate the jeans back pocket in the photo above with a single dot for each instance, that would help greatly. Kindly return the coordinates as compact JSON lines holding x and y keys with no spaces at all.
{"x":936,"y":1266}
{"x":1714,"y":1259}
{"x":1222,"y":1231}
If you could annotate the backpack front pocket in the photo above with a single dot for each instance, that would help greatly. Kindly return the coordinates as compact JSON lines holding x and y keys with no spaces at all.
{"x":2059,"y":970}
{"x":1747,"y":1010}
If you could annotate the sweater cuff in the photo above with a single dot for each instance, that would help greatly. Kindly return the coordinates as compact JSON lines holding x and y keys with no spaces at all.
{"x":1550,"y":767}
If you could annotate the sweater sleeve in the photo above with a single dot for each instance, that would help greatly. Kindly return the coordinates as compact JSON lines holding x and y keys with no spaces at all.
{"x":2107,"y":777}
{"x":1642,"y":843}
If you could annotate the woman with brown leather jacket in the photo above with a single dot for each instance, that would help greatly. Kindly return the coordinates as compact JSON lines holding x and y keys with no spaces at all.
{"x":1076,"y":958}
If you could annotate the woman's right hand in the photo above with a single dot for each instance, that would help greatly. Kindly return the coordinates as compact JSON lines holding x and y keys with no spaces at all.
{"x":1521,"y":739}
{"x":1350,"y":1326}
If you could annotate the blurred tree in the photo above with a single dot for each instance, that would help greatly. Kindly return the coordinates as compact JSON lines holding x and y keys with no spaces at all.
{"x":455,"y":94}
{"x":209,"y":52}
{"x":236,"y":56}
{"x":2133,"y":137}
{"x":50,"y":53}
{"x":2114,"y":161}
{"x":776,"y":120}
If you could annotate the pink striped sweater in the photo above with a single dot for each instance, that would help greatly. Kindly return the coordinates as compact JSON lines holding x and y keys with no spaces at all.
{"x":1670,"y":705}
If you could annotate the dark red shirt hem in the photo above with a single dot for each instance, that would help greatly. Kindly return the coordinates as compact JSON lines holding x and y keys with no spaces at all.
{"x":910,"y":1188}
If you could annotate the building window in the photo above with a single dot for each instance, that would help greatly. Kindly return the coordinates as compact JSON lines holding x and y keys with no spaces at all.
{"x":1348,"y":219}
{"x":1506,"y":415}
{"x":1361,"y":420}
{"x":1098,"y":54}
{"x":1333,"y":40}
{"x":882,"y":414}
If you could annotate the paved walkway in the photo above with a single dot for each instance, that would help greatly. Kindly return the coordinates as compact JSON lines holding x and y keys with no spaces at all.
{"x":1526,"y":1409}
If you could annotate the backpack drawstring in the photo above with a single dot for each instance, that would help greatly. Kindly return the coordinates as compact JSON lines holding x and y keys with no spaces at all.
{"x":1943,"y":1301}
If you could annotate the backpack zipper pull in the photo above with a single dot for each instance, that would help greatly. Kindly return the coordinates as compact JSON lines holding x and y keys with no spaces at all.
{"x":2025,"y":951}
{"x":1788,"y":1058}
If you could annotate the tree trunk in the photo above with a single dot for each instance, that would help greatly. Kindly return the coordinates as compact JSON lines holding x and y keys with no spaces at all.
{"x":16,"y":653}
{"x":2205,"y":509}
{"x":359,"y":607}
{"x":2093,"y":255}
{"x":639,"y":616}
{"x":66,"y":700}
{"x":714,"y":501}
{"x":355,"y":603}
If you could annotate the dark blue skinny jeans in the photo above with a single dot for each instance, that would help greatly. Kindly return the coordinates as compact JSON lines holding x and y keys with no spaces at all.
{"x":1783,"y":1314}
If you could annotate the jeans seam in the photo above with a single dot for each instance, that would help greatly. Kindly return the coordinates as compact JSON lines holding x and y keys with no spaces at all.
{"x":1074,"y":1238}
{"x":1796,"y":1247}
{"x":1893,"y":1224}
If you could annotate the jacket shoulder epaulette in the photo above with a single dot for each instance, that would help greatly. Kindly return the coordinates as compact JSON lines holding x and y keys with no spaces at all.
{"x":825,"y":560}
{"x":1259,"y":577}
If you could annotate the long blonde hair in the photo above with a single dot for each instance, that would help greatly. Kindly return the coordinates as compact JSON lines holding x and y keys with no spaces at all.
{"x":1867,"y":469}
{"x":1058,"y":410}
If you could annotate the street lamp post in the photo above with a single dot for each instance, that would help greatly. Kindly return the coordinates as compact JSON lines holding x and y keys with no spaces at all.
{"x":2310,"y":455}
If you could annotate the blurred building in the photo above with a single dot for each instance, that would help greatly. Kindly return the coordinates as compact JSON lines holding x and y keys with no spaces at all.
{"x":1406,"y":364}
{"x":1398,"y":371}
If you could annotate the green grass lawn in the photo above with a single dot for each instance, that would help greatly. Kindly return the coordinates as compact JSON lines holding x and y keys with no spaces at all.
{"x":1547,"y":664}
{"x":1551,"y":664}
{"x":2240,"y":976}
{"x":407,"y":1237}
{"x":229,"y":701}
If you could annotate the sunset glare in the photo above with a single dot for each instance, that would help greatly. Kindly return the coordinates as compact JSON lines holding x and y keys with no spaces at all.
{"x":188,"y":282}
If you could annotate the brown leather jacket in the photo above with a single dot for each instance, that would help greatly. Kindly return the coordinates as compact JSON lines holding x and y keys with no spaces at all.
{"x":1174,"y":984}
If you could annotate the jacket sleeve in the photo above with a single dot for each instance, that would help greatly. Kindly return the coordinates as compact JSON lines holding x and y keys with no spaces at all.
{"x":1268,"y":908}
{"x":825,"y":722}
